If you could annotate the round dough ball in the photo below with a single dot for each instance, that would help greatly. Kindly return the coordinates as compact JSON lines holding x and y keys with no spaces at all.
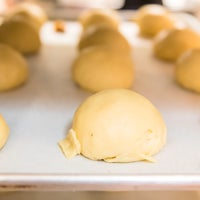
{"x":151,"y":19}
{"x":170,"y":44}
{"x":116,"y":126}
{"x":4,"y":132}
{"x":21,"y":35}
{"x":31,"y":12}
{"x":103,"y":35}
{"x":13,"y":68}
{"x":99,"y":16}
{"x":99,"y":68}
{"x":187,"y":70}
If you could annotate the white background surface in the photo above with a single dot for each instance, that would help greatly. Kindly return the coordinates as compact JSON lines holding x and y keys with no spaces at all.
{"x":40,"y":113}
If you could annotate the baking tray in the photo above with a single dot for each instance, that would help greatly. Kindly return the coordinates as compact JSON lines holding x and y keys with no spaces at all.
{"x":40,"y":113}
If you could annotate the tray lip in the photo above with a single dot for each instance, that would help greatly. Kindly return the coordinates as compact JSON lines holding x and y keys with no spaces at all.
{"x":98,"y":182}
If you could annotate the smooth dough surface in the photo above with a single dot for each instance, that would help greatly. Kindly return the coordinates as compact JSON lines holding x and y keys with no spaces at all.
{"x":99,"y":68}
{"x":99,"y":16}
{"x":170,"y":44}
{"x":104,"y":36}
{"x":32,"y":12}
{"x":4,"y":132}
{"x":151,"y":19}
{"x":21,"y":35}
{"x":115,"y":126}
{"x":187,"y":70}
{"x":13,"y":68}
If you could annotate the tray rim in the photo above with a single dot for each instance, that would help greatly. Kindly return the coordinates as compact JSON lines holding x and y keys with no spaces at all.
{"x":99,"y":182}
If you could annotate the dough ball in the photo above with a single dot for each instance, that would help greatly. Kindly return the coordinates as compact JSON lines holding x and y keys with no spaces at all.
{"x":13,"y":68}
{"x":116,"y":125}
{"x":21,"y":35}
{"x":151,"y":19}
{"x":104,"y":35}
{"x":99,"y":68}
{"x":187,"y":70}
{"x":31,"y":12}
{"x":4,"y":132}
{"x":99,"y":16}
{"x":170,"y":44}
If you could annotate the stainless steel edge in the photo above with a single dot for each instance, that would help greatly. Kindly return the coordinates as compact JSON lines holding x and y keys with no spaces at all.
{"x":74,"y":182}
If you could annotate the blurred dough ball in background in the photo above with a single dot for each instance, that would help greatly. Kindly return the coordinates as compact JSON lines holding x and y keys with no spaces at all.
{"x":106,"y":36}
{"x":100,"y":67}
{"x":116,"y":126}
{"x":187,"y":70}
{"x":4,"y":132}
{"x":151,"y":19}
{"x":99,"y":16}
{"x":170,"y":44}
{"x":32,"y":12}
{"x":13,"y":68}
{"x":20,"y":34}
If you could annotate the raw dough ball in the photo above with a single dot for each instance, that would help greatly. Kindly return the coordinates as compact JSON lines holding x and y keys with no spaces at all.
{"x":104,"y":35}
{"x":99,"y":68}
{"x":13,"y":68}
{"x":170,"y":44}
{"x":21,"y":35}
{"x":116,"y":126}
{"x":31,"y":12}
{"x":151,"y":19}
{"x":4,"y":132}
{"x":99,"y":16}
{"x":187,"y":71}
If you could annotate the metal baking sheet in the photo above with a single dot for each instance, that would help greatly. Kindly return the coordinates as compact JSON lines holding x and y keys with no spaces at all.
{"x":40,"y":113}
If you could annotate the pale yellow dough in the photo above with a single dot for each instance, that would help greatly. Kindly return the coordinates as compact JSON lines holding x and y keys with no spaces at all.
{"x":4,"y":132}
{"x":20,"y":34}
{"x":104,"y":36}
{"x":99,"y":16}
{"x":116,"y":125}
{"x":170,"y":44}
{"x":151,"y":19}
{"x":187,"y":70}
{"x":32,"y":12}
{"x":13,"y":68}
{"x":99,"y":68}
